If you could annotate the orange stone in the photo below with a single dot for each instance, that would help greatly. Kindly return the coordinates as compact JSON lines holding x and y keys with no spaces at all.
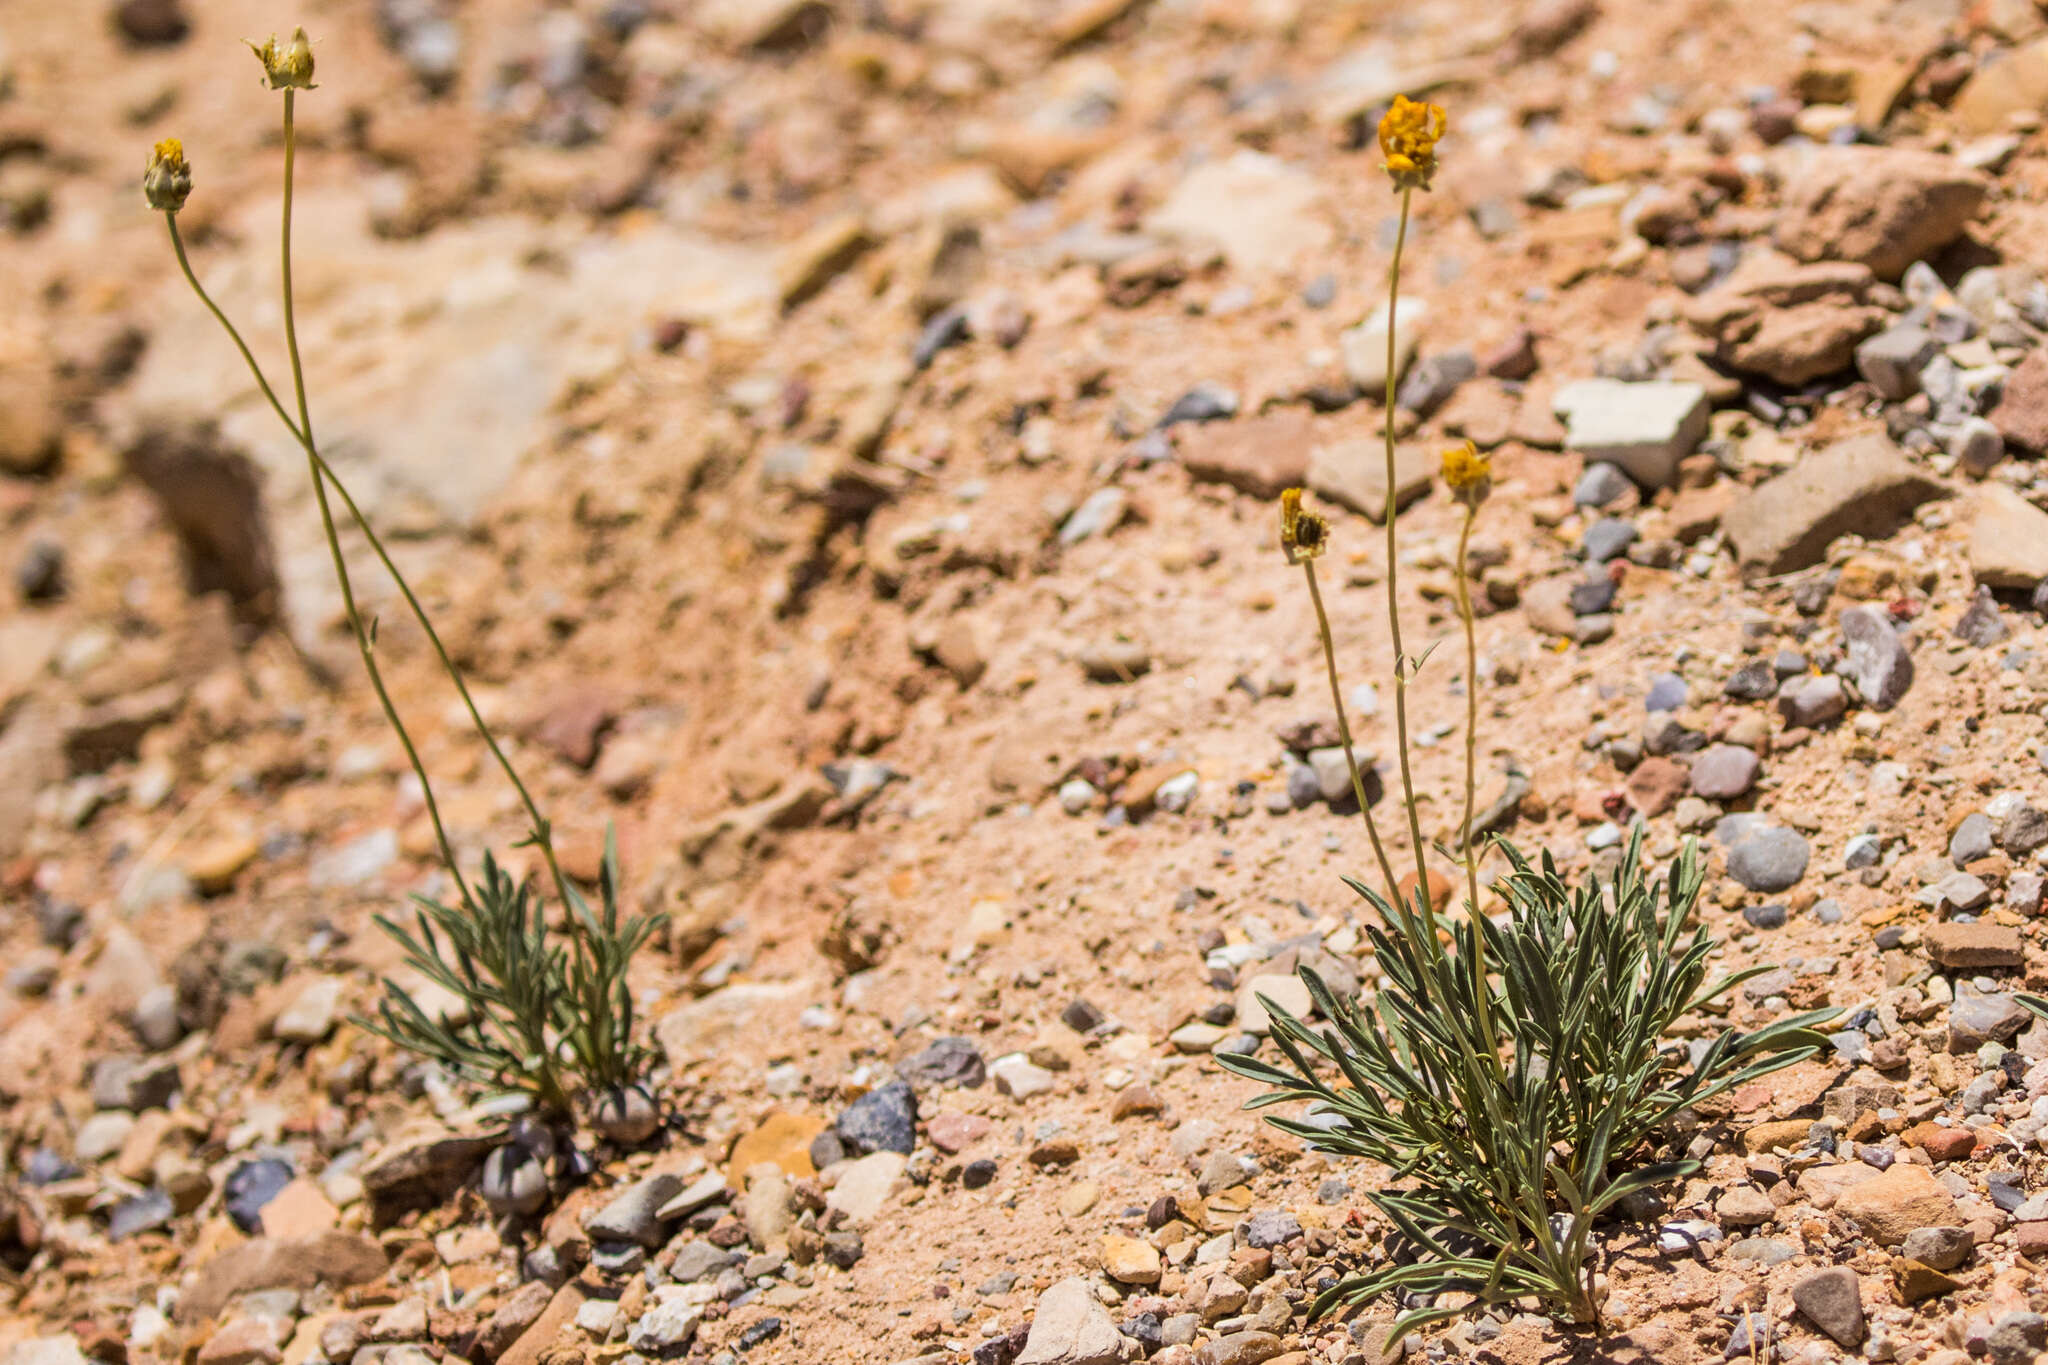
{"x":1440,"y":889}
{"x":783,"y":1138}
{"x":299,"y":1210}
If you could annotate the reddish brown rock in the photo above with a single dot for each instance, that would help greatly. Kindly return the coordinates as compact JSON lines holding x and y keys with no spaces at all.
{"x":2022,"y":412}
{"x":1862,"y":486}
{"x":1656,"y":784}
{"x":1882,"y":207}
{"x":1974,"y":945}
{"x":1788,"y":322}
{"x":1259,"y":455}
{"x":574,"y":724}
{"x":332,"y":1258}
{"x":1940,"y":1143}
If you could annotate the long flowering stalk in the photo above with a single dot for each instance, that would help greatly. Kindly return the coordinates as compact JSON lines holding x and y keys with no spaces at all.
{"x":543,"y":1016}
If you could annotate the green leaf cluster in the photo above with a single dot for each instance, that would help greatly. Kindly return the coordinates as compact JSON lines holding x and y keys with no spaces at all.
{"x":545,"y":1015}
{"x":1517,"y":1106}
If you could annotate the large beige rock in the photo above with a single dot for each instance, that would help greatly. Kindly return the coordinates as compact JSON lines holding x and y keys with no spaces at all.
{"x":1882,"y":207}
{"x":1071,"y":1327}
{"x":1283,"y":989}
{"x":435,"y":366}
{"x":2010,"y":83}
{"x":338,"y":1259}
{"x":1904,"y":1197}
{"x":1861,"y":486}
{"x":1265,"y":214}
{"x":2008,"y":545}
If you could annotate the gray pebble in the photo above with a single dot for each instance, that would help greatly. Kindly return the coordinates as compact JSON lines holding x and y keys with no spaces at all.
{"x":1601,"y":484}
{"x":1769,"y":860}
{"x":1877,"y":661}
{"x":1607,"y":538}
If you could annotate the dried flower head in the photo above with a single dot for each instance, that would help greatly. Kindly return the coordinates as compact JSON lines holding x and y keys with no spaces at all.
{"x":1304,"y":535}
{"x":1468,"y":474}
{"x":1408,"y":138}
{"x":168,"y":178}
{"x":289,"y":67}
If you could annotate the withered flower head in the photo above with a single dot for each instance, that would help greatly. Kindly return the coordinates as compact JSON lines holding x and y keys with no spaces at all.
{"x":167,"y":179}
{"x":1304,"y":535}
{"x":286,"y":67}
{"x":1408,"y":138}
{"x":1468,"y":474}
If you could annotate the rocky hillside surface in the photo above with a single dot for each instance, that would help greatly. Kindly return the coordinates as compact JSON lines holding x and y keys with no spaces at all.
{"x":839,"y":437}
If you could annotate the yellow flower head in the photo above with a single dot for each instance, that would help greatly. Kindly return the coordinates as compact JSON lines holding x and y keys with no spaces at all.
{"x":289,"y":67}
{"x":1468,"y":474}
{"x":1408,"y":138}
{"x":167,"y":179}
{"x":1304,"y":535}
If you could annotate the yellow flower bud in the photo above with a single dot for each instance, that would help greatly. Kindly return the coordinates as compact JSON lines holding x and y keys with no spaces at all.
{"x":1468,"y":474}
{"x":167,"y":179}
{"x":1304,"y":535}
{"x":289,"y":67}
{"x":1408,"y":136}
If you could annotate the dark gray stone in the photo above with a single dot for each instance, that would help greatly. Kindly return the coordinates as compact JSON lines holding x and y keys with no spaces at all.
{"x":1271,"y":1228}
{"x":1980,"y":624}
{"x":631,"y":1215}
{"x":1607,"y":538}
{"x":1667,"y":690}
{"x":252,"y":1185}
{"x":947,"y":1062}
{"x":1832,"y":1300}
{"x":1205,"y":402}
{"x":1754,"y":681}
{"x":883,"y":1120}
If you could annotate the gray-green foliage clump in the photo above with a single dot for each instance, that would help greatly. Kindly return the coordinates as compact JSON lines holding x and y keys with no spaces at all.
{"x":1508,"y":1142}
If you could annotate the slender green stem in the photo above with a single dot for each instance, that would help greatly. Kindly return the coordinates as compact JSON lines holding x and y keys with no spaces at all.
{"x":178,"y":246}
{"x":363,"y":643}
{"x":1464,"y":584}
{"x":315,"y":465}
{"x":1315,"y":593}
{"x":542,"y":829}
{"x":542,"y":832}
{"x":1481,"y":993}
{"x":1394,"y":571}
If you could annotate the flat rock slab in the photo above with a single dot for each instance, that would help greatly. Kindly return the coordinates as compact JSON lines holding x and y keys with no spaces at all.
{"x":1862,"y":486}
{"x":1260,"y":455}
{"x":331,"y":1258}
{"x":1645,"y":429}
{"x":434,"y":365}
{"x":1263,"y":213}
{"x":1353,"y":474}
{"x":2008,"y":545}
{"x":1974,"y":945}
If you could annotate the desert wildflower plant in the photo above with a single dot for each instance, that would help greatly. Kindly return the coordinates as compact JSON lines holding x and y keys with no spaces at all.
{"x":1512,"y":1070}
{"x":544,"y":1014}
